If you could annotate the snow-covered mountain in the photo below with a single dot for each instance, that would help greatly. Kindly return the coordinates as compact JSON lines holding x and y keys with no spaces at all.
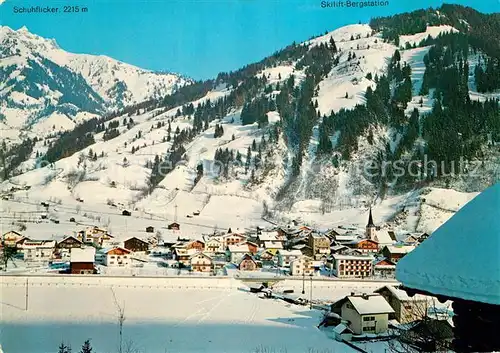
{"x":44,"y":88}
{"x":331,"y":80}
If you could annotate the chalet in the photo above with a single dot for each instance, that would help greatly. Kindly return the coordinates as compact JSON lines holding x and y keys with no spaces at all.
{"x":365,"y":246}
{"x":69,"y":242}
{"x":36,"y":251}
{"x":201,"y":262}
{"x":270,"y":236}
{"x":136,"y":245}
{"x":459,"y":263}
{"x":394,"y":253}
{"x":350,"y":266}
{"x":11,"y":238}
{"x":174,"y":226}
{"x":302,"y":266}
{"x":214,"y":245}
{"x":183,"y":255}
{"x":126,"y":213}
{"x":364,"y":313}
{"x":247,"y":263}
{"x":195,"y":244}
{"x":150,"y":229}
{"x":236,"y":252}
{"x":287,"y":256}
{"x":320,"y":245}
{"x":95,"y":235}
{"x":384,"y":268}
{"x":406,"y":309}
{"x":232,"y":239}
{"x":117,"y":257}
{"x":82,"y":261}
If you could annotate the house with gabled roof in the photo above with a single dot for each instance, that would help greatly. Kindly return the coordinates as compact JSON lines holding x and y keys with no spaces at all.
{"x":287,"y":256}
{"x":136,"y":245}
{"x":82,"y":260}
{"x":38,"y":251}
{"x":383,"y":267}
{"x":247,"y":263}
{"x":406,"y":309}
{"x":11,"y":238}
{"x":396,"y":252}
{"x":201,"y":262}
{"x":365,"y":313}
{"x":117,"y":257}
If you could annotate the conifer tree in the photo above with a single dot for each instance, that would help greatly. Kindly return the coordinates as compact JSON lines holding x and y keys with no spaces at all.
{"x":86,"y":348}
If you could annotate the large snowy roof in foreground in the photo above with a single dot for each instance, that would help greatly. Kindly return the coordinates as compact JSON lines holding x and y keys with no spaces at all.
{"x":462,"y":258}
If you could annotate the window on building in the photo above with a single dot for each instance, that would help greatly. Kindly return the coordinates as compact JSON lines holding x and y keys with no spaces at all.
{"x":369,"y":329}
{"x":368,"y":318}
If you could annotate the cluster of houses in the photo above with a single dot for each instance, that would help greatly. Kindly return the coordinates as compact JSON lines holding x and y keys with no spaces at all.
{"x":385,"y":311}
{"x":345,"y":252}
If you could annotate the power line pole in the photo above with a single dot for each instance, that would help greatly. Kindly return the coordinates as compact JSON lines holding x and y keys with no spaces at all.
{"x":311,"y":293}
{"x":27,"y":294}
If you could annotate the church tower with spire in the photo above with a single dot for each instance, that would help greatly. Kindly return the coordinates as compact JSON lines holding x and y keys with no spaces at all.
{"x":370,"y":227}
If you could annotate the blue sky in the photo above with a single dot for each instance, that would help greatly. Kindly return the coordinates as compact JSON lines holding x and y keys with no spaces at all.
{"x":197,"y":38}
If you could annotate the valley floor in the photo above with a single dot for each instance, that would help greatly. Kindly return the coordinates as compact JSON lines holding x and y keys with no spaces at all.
{"x":162,"y":315}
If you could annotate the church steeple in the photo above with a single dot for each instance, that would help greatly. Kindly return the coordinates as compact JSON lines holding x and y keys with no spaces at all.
{"x":370,"y":220}
{"x":370,"y":227}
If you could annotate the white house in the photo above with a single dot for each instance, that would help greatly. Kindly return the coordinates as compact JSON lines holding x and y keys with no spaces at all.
{"x":117,"y":257}
{"x":36,"y":251}
{"x":351,"y":266}
{"x":201,"y":262}
{"x":286,"y":256}
{"x":214,"y":245}
{"x":96,"y":235}
{"x":236,"y":252}
{"x":232,"y":239}
{"x":365,"y":313}
{"x":301,"y":266}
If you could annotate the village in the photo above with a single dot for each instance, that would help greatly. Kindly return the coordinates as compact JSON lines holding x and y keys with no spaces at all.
{"x":341,"y":252}
{"x":295,"y":252}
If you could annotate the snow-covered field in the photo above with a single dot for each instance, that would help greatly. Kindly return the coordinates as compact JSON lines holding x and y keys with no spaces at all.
{"x":161,"y":315}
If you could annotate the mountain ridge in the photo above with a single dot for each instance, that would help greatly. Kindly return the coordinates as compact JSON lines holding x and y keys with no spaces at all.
{"x":288,"y":132}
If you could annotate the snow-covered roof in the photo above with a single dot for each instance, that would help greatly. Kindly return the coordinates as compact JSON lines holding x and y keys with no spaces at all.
{"x":39,"y":244}
{"x":461,"y":258}
{"x":385,"y":236}
{"x":400,"y":249}
{"x":352,"y":257}
{"x":294,"y":252}
{"x":341,"y":328}
{"x":273,"y":245}
{"x":346,"y":237}
{"x":371,"y":304}
{"x":238,"y":248}
{"x":265,"y":236}
{"x":400,"y":294}
{"x":82,"y":255}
